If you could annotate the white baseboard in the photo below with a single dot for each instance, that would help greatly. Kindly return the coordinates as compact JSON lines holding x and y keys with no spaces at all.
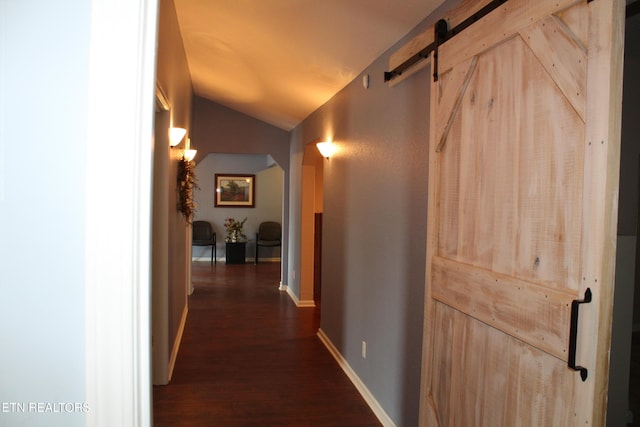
{"x":249,"y":260}
{"x":298,"y":303}
{"x":306,"y":303}
{"x":178,"y":340}
{"x":261,"y":259}
{"x":293,"y":296}
{"x":355,"y":379}
{"x":282,"y":287}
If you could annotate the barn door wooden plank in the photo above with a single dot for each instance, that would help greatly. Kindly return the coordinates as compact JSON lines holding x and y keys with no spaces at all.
{"x":523,"y":173}
{"x":564,"y":58}
{"x":535,"y":314}
{"x":602,"y":169}
{"x":453,"y":86}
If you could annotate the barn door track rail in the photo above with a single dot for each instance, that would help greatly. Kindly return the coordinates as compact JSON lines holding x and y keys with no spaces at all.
{"x":443,"y":34}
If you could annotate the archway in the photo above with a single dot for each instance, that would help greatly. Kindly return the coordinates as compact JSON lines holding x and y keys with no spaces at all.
{"x":311,"y":226}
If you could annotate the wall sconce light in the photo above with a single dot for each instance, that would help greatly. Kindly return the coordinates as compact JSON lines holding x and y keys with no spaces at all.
{"x":176,"y":135}
{"x":189,"y":153}
{"x":326,"y":148}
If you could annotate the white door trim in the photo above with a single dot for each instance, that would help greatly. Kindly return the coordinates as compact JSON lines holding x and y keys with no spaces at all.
{"x":118,"y":211}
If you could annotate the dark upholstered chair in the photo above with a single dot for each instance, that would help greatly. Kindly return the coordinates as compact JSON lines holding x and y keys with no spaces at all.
{"x":203,"y":235}
{"x":269,"y":234}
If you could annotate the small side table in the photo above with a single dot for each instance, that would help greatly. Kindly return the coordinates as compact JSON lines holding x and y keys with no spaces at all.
{"x":236,"y":252}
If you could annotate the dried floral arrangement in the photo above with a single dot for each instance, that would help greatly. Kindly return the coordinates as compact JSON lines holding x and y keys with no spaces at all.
{"x":186,"y":184}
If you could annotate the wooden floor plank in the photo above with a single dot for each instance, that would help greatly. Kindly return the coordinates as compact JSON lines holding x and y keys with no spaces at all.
{"x":250,"y":357}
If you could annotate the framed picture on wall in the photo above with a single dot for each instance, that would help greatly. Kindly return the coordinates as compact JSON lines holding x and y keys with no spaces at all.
{"x":235,"y":190}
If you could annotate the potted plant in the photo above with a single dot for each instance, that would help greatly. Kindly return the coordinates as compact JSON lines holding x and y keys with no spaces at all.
{"x":234,"y":230}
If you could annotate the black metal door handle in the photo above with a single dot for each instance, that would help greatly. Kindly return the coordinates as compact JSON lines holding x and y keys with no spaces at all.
{"x":573,"y":334}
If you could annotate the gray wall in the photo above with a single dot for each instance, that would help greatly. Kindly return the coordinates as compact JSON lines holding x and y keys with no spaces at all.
{"x":374,"y":230}
{"x":218,"y":129}
{"x":44,"y":58}
{"x":269,"y":184}
{"x":173,"y":77}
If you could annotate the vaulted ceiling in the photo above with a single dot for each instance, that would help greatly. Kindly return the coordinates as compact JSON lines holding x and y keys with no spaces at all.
{"x":279,"y":60}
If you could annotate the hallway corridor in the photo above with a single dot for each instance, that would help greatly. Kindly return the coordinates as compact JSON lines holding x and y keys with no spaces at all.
{"x":250,"y":357}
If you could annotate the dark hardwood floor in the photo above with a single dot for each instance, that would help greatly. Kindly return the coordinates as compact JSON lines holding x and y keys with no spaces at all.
{"x":250,"y":357}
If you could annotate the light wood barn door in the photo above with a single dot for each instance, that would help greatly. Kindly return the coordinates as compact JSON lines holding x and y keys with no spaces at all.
{"x":523,"y":183}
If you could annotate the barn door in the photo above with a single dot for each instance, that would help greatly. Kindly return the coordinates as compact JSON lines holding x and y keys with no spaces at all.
{"x":523,"y":185}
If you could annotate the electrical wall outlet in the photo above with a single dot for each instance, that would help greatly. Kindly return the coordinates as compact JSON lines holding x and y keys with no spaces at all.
{"x":364,"y":349}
